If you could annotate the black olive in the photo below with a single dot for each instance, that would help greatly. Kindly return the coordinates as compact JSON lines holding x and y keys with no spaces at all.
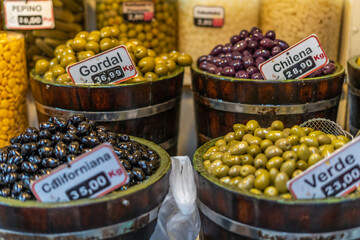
{"x":35,"y":159}
{"x":70,"y":157}
{"x":27,"y":182}
{"x":24,"y":196}
{"x":17,"y":139}
{"x":57,"y":137}
{"x":16,"y":160}
{"x":30,"y":137}
{"x":46,"y":152}
{"x":123,"y":145}
{"x":112,"y":141}
{"x":44,"y":171}
{"x":153,"y":156}
{"x":119,"y":152}
{"x":127,"y":165}
{"x":93,"y":134}
{"x":10,"y":178}
{"x":144,"y":165}
{"x":138,"y":174}
{"x":71,"y":127}
{"x":150,"y":151}
{"x":145,"y":154}
{"x":60,"y":152}
{"x":61,"y":144}
{"x":17,"y":188}
{"x":28,"y":148}
{"x":29,"y":167}
{"x":132,"y":159}
{"x":83,"y":128}
{"x":5,"y":192}
{"x":77,"y":119}
{"x":50,"y":162}
{"x":16,"y":146}
{"x":3,"y":167}
{"x":130,"y":174}
{"x":13,"y":152}
{"x":31,"y":130}
{"x":122,"y":188}
{"x":111,"y":135}
{"x":102,"y":136}
{"x":22,"y":176}
{"x":154,"y":164}
{"x":44,"y":143}
{"x":60,"y":123}
{"x":44,"y":134}
{"x":124,"y":138}
{"x":90,"y":141}
{"x":92,"y":124}
{"x":70,"y":137}
{"x":4,"y":152}
{"x":74,"y":148}
{"x":137,"y":154}
{"x":100,"y":129}
{"x":47,"y":126}
{"x":85,"y":150}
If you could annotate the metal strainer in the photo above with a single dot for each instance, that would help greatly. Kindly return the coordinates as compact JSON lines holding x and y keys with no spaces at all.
{"x":327,"y":126}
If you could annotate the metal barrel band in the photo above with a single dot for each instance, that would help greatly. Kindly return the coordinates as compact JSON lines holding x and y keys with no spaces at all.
{"x":354,"y":90}
{"x":221,"y":105}
{"x":261,"y":233}
{"x":169,"y":143}
{"x":111,"y":116}
{"x":98,"y":233}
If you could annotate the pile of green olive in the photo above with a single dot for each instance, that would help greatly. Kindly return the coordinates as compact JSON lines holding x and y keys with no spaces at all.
{"x":262,"y":160}
{"x":150,"y":66}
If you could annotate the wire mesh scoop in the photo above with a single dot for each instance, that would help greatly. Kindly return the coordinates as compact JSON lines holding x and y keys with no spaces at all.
{"x":327,"y":126}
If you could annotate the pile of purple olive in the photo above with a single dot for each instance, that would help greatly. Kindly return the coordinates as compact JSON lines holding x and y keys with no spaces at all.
{"x":36,"y":152}
{"x":241,"y":57}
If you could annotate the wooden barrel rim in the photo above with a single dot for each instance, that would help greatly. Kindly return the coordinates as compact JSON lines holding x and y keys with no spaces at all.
{"x":354,"y":90}
{"x":353,"y":68}
{"x":160,"y":173}
{"x":199,"y":167}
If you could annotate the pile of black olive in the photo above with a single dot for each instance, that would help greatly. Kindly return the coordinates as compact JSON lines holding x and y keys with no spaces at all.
{"x":240,"y":58}
{"x":36,"y":152}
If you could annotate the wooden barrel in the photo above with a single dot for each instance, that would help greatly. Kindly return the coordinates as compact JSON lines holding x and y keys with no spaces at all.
{"x":221,"y":102}
{"x":148,"y":110}
{"x":354,"y":95}
{"x":128,"y":214}
{"x":228,"y":213}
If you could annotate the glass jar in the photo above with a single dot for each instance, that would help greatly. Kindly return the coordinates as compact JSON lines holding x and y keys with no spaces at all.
{"x":293,"y":20}
{"x":13,"y":86}
{"x":152,"y":22}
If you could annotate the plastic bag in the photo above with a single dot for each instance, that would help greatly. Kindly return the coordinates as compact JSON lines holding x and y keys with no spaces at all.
{"x":178,"y":217}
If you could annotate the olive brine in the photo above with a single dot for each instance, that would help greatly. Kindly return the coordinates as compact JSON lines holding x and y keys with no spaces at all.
{"x":240,"y":58}
{"x":36,"y":152}
{"x":262,"y":160}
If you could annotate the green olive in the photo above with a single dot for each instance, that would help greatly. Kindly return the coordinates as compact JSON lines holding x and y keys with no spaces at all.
{"x":256,"y":191}
{"x":79,"y":44}
{"x":57,"y":70}
{"x":286,"y":132}
{"x":229,"y":136}
{"x":265,"y":144}
{"x":220,"y":171}
{"x":274,"y":162}
{"x":307,"y":130}
{"x":283,"y":143}
{"x":93,"y":46}
{"x":254,"y":140}
{"x":274,"y":135}
{"x":247,"y":136}
{"x":151,"y":53}
{"x":224,"y":148}
{"x":296,"y":173}
{"x":328,"y":147}
{"x":271,"y":191}
{"x":239,"y":148}
{"x":262,"y":180}
{"x":286,"y":196}
{"x":225,"y":179}
{"x":251,"y":126}
{"x":42,"y":66}
{"x":260,"y":132}
{"x":260,"y":160}
{"x":314,"y":158}
{"x":105,"y":44}
{"x":93,"y":37}
{"x":247,"y":170}
{"x":53,"y":62}
{"x":338,"y":143}
{"x":232,"y":142}
{"x":316,"y":133}
{"x":246,"y":159}
{"x":207,"y":163}
{"x":184,"y":59}
{"x":302,"y":165}
{"x":288,"y":167}
{"x":294,"y":140}
{"x":254,"y":150}
{"x":171,"y":65}
{"x":232,"y":160}
{"x":68,"y":59}
{"x":59,"y":49}
{"x":48,"y":76}
{"x":239,"y":133}
{"x":237,"y":126}
{"x":289,"y":155}
{"x":220,"y":142}
{"x":260,"y":171}
{"x":309,"y":141}
{"x":331,"y":136}
{"x":64,"y":78}
{"x":105,"y":32}
{"x":273,"y":172}
{"x":247,"y":182}
{"x":323,"y":139}
{"x":234,"y":171}
{"x":146,"y":64}
{"x":213,"y":165}
{"x":235,"y":181}
{"x":209,"y":152}
{"x":342,"y":137}
{"x":277,"y":125}
{"x":216,"y":156}
{"x":82,"y":34}
{"x":280,"y":182}
{"x":303,"y":152}
{"x":298,"y":131}
{"x":150,"y":76}
{"x":140,"y":52}
{"x":273,"y":151}
{"x":315,"y":149}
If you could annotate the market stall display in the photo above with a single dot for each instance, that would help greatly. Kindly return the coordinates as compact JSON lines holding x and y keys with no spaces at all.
{"x":353,"y":65}
{"x":260,"y":162}
{"x":153,"y":22}
{"x":36,"y":152}
{"x":14,"y":85}
{"x":292,"y":20}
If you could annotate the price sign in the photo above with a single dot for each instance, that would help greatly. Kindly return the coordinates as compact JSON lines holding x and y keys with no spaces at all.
{"x":334,"y":176}
{"x":112,"y":66}
{"x":205,"y":16}
{"x":31,"y":14}
{"x":296,"y":62}
{"x":90,"y":175}
{"x":138,"y":11}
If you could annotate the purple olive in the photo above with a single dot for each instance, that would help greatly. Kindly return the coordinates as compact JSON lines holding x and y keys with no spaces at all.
{"x":224,"y":62}
{"x":329,"y":68}
{"x":259,"y":60}
{"x":203,"y":58}
{"x":218,"y":71}
{"x":266,"y":43}
{"x":210,"y":68}
{"x":253,"y":44}
{"x":317,"y":73}
{"x":216,"y":61}
{"x":248,"y":61}
{"x":228,"y":71}
{"x":229,"y":55}
{"x":234,"y":39}
{"x":251,"y":70}
{"x":237,"y":55}
{"x":240,"y":46}
{"x":242,"y":74}
{"x":246,"y":53}
{"x":262,"y":53}
{"x":270,"y":34}
{"x":255,"y":29}
{"x":243,"y":34}
{"x":227,"y":48}
{"x":216,"y":50}
{"x":276,"y":50}
{"x":257,"y":76}
{"x":281,"y":43}
{"x":257,"y":36}
{"x":236,"y":64}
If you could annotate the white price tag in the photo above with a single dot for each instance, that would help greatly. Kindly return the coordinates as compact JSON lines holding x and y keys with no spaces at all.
{"x":90,"y":175}
{"x":334,"y":176}
{"x":30,"y":14}
{"x":138,"y":11}
{"x":296,"y":62}
{"x":205,"y":16}
{"x":112,"y":66}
